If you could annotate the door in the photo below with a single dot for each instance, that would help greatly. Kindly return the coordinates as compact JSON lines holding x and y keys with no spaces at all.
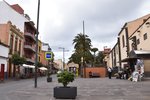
{"x":2,"y":72}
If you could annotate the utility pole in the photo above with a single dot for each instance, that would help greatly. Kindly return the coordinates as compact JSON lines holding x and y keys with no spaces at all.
{"x":63,"y":56}
{"x":83,"y":28}
{"x":37,"y":33}
{"x":83,"y":58}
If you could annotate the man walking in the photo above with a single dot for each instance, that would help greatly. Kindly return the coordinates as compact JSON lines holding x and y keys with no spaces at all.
{"x":109,"y":72}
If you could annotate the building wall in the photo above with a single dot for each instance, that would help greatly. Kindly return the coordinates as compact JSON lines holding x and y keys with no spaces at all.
{"x":117,"y":55}
{"x":7,"y":30}
{"x":144,"y":44}
{"x":131,"y":28}
{"x":42,"y":57}
{"x":10,"y":14}
{"x":4,"y":56}
{"x":100,"y":70}
{"x":133,"y":25}
{"x":39,"y":50}
{"x":139,"y":34}
{"x":123,"y":47}
{"x":59,"y":63}
{"x":4,"y":33}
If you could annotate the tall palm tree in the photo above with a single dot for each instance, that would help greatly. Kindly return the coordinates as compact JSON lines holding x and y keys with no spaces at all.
{"x":82,"y":44}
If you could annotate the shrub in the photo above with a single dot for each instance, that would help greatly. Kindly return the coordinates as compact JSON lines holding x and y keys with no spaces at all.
{"x":65,"y":77}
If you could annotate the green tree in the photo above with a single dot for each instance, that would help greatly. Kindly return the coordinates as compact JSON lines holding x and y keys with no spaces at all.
{"x":39,"y":64}
{"x":82,"y":46}
{"x":17,"y":60}
{"x":94,"y":50}
{"x":82,"y":43}
{"x":99,"y":58}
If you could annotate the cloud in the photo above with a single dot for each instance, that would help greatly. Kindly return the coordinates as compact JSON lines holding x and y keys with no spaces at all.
{"x":61,"y":20}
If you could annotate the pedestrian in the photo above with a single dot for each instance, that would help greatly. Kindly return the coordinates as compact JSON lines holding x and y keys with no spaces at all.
{"x":109,"y":72}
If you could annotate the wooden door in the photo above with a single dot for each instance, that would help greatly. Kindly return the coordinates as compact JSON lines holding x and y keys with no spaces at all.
{"x":2,"y":72}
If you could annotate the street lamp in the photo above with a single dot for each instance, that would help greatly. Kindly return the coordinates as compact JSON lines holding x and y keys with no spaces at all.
{"x":63,"y":55}
{"x":37,"y":33}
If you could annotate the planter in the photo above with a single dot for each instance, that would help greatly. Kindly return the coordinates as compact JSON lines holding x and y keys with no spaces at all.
{"x":65,"y":92}
{"x":49,"y":79}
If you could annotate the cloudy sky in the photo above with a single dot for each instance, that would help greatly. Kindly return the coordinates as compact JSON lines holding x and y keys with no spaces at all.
{"x":62,"y":20}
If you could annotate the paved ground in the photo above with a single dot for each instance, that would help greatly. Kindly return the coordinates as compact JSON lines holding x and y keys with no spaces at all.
{"x":88,"y":89}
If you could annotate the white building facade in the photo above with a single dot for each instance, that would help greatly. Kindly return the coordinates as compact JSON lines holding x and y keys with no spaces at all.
{"x":3,"y":61}
{"x":10,"y":14}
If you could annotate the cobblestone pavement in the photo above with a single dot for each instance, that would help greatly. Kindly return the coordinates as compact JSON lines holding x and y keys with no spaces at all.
{"x":87,"y":89}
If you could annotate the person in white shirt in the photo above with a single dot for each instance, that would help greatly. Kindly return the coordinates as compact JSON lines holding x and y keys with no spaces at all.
{"x":109,"y":72}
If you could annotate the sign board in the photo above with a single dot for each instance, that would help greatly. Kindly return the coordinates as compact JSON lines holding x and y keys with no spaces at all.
{"x":48,"y":55}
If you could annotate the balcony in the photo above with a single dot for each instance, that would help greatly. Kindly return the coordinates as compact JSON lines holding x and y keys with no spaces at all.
{"x":30,"y":35}
{"x":29,"y":46}
{"x":30,"y":59}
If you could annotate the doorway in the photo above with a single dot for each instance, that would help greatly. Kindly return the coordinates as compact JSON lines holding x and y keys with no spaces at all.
{"x":2,"y":68}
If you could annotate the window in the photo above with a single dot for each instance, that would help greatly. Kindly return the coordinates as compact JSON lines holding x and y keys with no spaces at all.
{"x":145,"y":36}
{"x":16,"y":42}
{"x":138,"y":41}
{"x":11,"y":44}
{"x":39,"y":49}
{"x":123,"y":42}
{"x":19,"y":46}
{"x":39,"y":59}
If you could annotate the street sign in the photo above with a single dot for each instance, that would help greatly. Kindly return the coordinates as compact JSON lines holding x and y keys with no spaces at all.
{"x":48,"y":55}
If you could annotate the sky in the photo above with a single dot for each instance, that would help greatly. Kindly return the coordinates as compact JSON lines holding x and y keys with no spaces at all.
{"x":61,"y":20}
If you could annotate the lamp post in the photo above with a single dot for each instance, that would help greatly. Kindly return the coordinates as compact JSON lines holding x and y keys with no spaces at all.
{"x":37,"y":33}
{"x":63,"y":56}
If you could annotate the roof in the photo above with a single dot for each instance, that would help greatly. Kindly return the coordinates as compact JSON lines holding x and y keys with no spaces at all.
{"x":129,"y":59}
{"x":134,"y":25}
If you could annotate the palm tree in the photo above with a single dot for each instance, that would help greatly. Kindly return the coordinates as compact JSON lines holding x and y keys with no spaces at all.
{"x":94,"y":50}
{"x":82,"y":46}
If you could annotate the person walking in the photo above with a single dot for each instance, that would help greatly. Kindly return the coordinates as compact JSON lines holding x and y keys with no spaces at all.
{"x":109,"y":72}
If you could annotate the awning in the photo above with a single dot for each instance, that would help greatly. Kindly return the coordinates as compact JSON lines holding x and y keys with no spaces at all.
{"x":129,"y":59}
{"x":137,"y":54}
{"x":28,"y":66}
{"x":43,"y":68}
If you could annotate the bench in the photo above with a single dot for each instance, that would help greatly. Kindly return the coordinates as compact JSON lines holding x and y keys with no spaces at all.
{"x":94,"y":75}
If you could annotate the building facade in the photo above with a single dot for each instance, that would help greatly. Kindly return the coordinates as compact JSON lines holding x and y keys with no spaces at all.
{"x":29,"y":42}
{"x":20,"y":36}
{"x":132,"y":39}
{"x":3,"y":60}
{"x":13,"y":37}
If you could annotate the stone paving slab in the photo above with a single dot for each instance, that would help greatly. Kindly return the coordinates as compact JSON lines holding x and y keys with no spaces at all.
{"x":88,"y":89}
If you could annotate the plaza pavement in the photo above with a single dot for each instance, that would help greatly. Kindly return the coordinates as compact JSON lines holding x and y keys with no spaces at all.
{"x":88,"y":89}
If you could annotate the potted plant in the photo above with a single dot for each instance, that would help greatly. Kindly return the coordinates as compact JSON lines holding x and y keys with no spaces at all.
{"x":65,"y":91}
